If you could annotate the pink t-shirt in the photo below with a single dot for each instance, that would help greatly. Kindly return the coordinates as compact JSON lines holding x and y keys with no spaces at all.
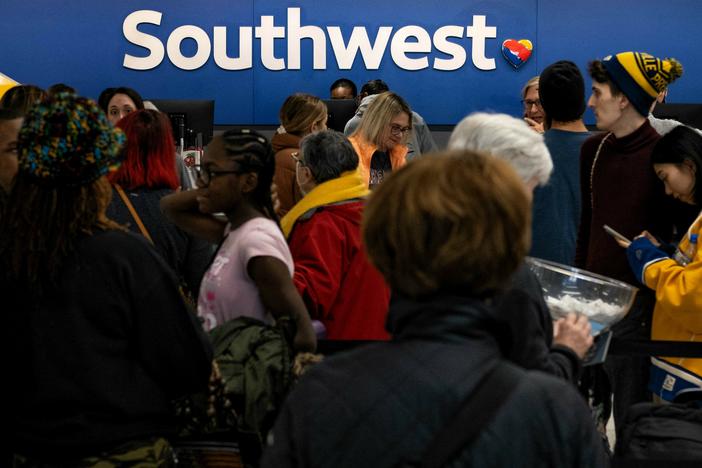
{"x":227,"y":291}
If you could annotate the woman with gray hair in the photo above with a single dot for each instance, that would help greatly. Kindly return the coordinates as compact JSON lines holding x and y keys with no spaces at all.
{"x":536,"y":342}
{"x":507,"y":138}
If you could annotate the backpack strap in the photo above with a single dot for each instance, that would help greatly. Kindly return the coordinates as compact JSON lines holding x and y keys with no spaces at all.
{"x":133,"y":212}
{"x":476,"y":411}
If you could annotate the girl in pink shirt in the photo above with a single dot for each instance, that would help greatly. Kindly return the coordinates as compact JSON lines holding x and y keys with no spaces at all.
{"x":251,"y":274}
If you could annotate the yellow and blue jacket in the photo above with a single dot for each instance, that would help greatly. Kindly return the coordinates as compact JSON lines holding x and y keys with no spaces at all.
{"x":678,"y":312}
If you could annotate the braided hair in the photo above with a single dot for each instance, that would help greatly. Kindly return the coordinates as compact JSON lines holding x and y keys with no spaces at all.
{"x":41,"y":227}
{"x":65,"y":148}
{"x":253,"y":153}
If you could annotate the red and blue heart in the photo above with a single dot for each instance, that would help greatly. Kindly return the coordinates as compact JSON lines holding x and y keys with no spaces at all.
{"x":517,"y":52}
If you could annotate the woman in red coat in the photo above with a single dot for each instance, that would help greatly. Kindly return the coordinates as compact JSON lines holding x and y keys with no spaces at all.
{"x":332,"y":273}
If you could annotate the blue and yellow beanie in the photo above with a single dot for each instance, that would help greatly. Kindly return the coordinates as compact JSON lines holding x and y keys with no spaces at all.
{"x":641,"y":76}
{"x":67,"y":141}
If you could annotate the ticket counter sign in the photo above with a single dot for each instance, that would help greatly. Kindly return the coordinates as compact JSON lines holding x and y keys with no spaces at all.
{"x":446,"y":57}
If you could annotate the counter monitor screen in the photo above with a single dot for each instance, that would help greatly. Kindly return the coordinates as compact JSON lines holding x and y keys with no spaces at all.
{"x":189,"y":118}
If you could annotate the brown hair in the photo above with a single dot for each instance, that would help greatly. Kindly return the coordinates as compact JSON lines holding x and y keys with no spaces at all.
{"x":22,"y":97}
{"x":300,"y":111}
{"x":458,"y":221}
{"x":379,"y":114}
{"x":599,"y":74}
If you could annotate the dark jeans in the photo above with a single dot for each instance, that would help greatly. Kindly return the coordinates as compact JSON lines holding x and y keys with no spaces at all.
{"x":628,"y":375}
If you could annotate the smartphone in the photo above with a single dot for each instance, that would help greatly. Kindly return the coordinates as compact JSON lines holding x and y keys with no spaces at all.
{"x":598,"y":352}
{"x":616,"y":235}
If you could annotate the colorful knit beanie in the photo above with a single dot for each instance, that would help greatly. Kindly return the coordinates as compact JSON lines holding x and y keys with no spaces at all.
{"x":641,"y":76}
{"x":66,"y":140}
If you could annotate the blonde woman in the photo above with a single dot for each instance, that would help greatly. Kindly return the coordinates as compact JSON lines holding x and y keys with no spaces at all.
{"x":381,"y":139}
{"x":300,"y":115}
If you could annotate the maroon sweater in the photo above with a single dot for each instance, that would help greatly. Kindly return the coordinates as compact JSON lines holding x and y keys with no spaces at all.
{"x":626,"y":194}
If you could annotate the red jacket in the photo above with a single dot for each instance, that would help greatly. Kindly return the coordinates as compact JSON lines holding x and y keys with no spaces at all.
{"x":338,"y":284}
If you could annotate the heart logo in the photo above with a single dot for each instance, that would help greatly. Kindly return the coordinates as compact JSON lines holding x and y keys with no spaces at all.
{"x":517,"y":52}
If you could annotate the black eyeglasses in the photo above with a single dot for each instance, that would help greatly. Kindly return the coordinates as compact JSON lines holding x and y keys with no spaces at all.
{"x":205,"y":174}
{"x":396,"y":130}
{"x":528,"y":103}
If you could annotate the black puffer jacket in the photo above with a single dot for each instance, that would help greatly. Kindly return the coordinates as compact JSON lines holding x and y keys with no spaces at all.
{"x":381,"y":404}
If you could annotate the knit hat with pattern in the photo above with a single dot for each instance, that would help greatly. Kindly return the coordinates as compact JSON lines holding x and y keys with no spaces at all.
{"x":641,"y":76}
{"x":66,"y":140}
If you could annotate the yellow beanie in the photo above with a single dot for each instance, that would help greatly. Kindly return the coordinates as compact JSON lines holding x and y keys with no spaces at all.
{"x":641,"y":76}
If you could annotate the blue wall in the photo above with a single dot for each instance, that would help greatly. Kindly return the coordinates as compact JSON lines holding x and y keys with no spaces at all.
{"x":81,"y":43}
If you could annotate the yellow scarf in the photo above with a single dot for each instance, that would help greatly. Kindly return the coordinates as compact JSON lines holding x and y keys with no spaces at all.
{"x":347,"y":187}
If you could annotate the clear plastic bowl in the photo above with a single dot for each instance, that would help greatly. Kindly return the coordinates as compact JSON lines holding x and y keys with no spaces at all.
{"x":603,"y":300}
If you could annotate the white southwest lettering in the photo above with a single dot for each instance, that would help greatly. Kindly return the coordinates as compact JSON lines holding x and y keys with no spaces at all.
{"x":268,"y":33}
{"x":479,"y":32}
{"x":372,"y":55}
{"x":442,"y":44}
{"x":203,"y":49}
{"x":410,"y":39}
{"x":133,"y":35}
{"x":245,"y":59}
{"x":295,"y":35}
{"x":399,"y":47}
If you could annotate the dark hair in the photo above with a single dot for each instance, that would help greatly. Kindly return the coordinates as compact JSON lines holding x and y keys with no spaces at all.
{"x":344,"y":83}
{"x":149,"y":154}
{"x":61,"y":88}
{"x":680,"y":144}
{"x":104,"y":99}
{"x":328,"y":154}
{"x":253,"y":153}
{"x":107,"y":94}
{"x":599,"y":74}
{"x":374,"y":87}
{"x":21,"y":97}
{"x":42,"y":225}
{"x":10,"y":114}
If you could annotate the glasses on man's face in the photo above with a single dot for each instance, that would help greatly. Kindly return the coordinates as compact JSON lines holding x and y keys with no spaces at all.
{"x":397,"y":130}
{"x":529,"y":103}
{"x":206,"y":174}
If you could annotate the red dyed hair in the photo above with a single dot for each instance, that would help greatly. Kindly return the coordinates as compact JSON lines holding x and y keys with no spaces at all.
{"x":149,"y":154}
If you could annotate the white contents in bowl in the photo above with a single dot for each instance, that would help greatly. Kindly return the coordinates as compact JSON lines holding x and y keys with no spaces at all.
{"x":596,"y":310}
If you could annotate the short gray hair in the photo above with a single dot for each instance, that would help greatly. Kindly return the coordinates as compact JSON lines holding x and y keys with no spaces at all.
{"x":507,"y":138}
{"x":328,"y":154}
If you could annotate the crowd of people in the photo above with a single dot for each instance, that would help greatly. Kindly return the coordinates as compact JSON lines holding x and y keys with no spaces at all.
{"x":118,"y":279}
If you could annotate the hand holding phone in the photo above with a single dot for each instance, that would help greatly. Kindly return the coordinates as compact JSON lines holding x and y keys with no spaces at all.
{"x":620,"y":238}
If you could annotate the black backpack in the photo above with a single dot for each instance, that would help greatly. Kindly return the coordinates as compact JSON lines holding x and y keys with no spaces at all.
{"x":660,"y":435}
